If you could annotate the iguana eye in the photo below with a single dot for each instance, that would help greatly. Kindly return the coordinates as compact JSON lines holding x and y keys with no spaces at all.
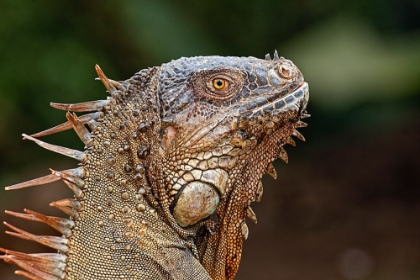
{"x":220,"y":84}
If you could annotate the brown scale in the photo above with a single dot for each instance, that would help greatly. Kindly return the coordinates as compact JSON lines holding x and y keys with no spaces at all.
{"x":127,"y":217}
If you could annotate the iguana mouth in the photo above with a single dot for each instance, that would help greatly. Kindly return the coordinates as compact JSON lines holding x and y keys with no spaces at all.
{"x":298,"y":99}
{"x":303,"y":90}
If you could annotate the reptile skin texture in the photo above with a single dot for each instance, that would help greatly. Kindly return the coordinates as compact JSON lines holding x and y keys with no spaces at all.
{"x":173,"y":159}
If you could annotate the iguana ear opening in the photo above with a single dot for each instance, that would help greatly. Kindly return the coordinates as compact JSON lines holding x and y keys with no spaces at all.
{"x":168,"y":135}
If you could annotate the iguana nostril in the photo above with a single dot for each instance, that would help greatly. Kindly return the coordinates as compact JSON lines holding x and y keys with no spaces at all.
{"x":285,"y":72}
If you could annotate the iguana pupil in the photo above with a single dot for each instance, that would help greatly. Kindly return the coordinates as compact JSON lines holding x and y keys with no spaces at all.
{"x":174,"y":158}
{"x":220,"y":84}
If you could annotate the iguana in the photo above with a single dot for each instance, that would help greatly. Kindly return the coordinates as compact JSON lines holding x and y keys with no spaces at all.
{"x":173,"y":159}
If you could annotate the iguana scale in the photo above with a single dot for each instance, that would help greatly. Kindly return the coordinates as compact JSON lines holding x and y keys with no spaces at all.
{"x":173,"y":159}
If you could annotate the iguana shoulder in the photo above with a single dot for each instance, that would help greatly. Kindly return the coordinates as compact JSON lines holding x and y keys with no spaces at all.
{"x":173,"y":159}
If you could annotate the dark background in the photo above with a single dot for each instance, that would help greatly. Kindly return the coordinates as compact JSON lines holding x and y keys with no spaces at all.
{"x":347,"y":206}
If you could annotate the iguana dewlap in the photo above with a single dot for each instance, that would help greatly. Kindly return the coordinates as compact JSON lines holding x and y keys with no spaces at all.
{"x":173,"y":159}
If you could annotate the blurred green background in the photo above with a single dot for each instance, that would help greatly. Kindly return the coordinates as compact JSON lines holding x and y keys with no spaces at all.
{"x":347,"y":206}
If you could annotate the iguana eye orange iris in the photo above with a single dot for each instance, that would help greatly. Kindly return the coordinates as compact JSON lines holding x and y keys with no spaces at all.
{"x":220,"y":84}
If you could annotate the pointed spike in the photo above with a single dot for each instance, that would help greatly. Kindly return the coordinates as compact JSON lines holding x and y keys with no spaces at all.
{"x":245,"y":230}
{"x":251,"y":214}
{"x":54,"y":242}
{"x":59,"y":259}
{"x":290,"y":141}
{"x":259,"y":191}
{"x":271,"y":171}
{"x":298,"y":135}
{"x":304,"y":115}
{"x":52,"y":257}
{"x":80,"y":107}
{"x":67,"y":202}
{"x":301,"y":124}
{"x":75,"y":172}
{"x":268,"y":57}
{"x":51,"y":263}
{"x":68,"y":206}
{"x":74,"y":175}
{"x":92,"y":124}
{"x":34,"y":273}
{"x":62,"y":225}
{"x":27,"y":275}
{"x":79,"y":128}
{"x":67,"y":125}
{"x":116,"y":84}
{"x":283,"y":155}
{"x":78,"y":155}
{"x":56,"y":129}
{"x":276,"y":55}
{"x":35,"y":182}
{"x":107,"y":82}
{"x":78,"y":193}
{"x":49,"y":267}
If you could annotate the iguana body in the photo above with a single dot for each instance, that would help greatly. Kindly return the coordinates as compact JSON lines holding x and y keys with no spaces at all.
{"x":173,"y":160}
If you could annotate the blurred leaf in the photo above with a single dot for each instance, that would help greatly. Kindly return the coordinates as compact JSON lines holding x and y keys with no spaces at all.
{"x":164,"y":31}
{"x":346,"y":62}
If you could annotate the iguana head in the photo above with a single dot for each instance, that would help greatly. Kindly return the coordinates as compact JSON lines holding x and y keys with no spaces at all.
{"x":224,"y":120}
